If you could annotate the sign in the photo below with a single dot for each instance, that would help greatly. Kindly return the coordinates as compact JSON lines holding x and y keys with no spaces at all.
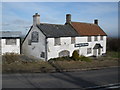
{"x":81,"y":44}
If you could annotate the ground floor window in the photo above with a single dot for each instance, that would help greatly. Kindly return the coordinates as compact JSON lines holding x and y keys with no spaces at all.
{"x":64,"y":53}
{"x":89,"y":50}
{"x":42,"y":54}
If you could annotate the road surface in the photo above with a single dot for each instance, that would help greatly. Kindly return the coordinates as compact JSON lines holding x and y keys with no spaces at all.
{"x":79,"y":79}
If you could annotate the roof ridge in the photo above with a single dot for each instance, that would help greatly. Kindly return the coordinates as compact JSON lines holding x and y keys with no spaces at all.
{"x":84,"y":23}
{"x":51,"y":24}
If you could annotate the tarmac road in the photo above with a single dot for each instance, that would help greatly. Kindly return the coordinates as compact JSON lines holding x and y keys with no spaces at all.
{"x":79,"y":79}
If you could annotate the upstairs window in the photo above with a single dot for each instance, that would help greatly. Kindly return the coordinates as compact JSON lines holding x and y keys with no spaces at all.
{"x":96,"y":38}
{"x":101,"y":37}
{"x":56,"y":41}
{"x":72,"y":40}
{"x":89,"y":39}
{"x":34,"y":36}
{"x":10,"y":41}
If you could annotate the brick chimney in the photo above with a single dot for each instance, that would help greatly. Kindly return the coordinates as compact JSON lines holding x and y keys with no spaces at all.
{"x":96,"y":21}
{"x":36,"y":19}
{"x":68,"y":18}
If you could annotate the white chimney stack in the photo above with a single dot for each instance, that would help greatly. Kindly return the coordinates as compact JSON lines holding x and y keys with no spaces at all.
{"x":36,"y":19}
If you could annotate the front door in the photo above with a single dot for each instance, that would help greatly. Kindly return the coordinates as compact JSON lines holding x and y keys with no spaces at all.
{"x":95,"y":52}
{"x":99,"y":51}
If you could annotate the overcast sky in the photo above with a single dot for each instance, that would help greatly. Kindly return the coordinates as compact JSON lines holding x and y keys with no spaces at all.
{"x":18,"y":16}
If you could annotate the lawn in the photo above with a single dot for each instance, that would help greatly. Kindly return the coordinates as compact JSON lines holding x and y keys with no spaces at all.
{"x":12,"y":63}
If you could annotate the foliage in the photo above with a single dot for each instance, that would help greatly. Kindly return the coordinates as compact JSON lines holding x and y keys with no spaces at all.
{"x":75,"y":55}
{"x":113,"y":44}
{"x":60,"y":59}
{"x":83,"y":58}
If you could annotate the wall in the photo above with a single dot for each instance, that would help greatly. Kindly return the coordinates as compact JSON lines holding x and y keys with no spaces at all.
{"x":34,"y":50}
{"x":10,"y":48}
{"x":53,"y":51}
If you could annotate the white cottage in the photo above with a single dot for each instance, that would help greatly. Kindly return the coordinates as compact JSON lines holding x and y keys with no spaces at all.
{"x":10,"y":42}
{"x":45,"y":41}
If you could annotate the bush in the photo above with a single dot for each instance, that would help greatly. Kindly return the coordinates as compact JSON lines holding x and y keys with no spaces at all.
{"x":83,"y":58}
{"x":75,"y":55}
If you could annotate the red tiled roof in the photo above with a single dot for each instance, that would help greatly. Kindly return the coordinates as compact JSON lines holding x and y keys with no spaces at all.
{"x":87,"y":29}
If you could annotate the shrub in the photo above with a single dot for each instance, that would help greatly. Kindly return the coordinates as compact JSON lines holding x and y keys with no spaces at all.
{"x":75,"y":55}
{"x":83,"y":58}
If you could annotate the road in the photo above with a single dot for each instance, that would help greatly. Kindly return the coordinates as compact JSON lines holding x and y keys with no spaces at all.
{"x":79,"y":79}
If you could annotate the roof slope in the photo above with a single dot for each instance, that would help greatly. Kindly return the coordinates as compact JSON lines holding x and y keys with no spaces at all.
{"x":54,"y":30}
{"x":87,"y":29}
{"x":12,"y":34}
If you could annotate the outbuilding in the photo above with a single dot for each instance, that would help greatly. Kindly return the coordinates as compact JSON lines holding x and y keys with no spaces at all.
{"x":10,"y":42}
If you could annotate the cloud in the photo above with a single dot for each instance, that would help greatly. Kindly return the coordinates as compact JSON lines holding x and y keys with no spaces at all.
{"x":19,"y":15}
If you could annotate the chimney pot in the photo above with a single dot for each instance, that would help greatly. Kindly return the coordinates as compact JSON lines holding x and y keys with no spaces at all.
{"x":68,"y":18}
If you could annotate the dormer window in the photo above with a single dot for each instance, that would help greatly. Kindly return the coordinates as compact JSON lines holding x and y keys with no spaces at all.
{"x":34,"y":36}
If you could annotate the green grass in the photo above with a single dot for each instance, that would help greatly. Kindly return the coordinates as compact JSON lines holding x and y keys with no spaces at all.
{"x":113,"y":54}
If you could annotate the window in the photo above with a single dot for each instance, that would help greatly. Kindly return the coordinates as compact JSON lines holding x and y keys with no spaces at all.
{"x":101,"y":38}
{"x":64,"y":53}
{"x":10,"y":41}
{"x":42,"y":54}
{"x":34,"y":36}
{"x":57,"y":41}
{"x":89,"y":50}
{"x":29,"y":42}
{"x":89,"y":39}
{"x":72,"y":40}
{"x":96,"y":39}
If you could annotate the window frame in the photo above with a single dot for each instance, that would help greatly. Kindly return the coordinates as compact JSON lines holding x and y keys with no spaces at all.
{"x":101,"y":37}
{"x":89,"y":50}
{"x":95,"y":38}
{"x":34,"y":37}
{"x":57,"y":41}
{"x":11,"y":42}
{"x":73,"y":40}
{"x":89,"y":38}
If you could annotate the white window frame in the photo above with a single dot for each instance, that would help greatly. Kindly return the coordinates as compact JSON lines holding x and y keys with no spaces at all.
{"x":89,"y":39}
{"x":11,"y":42}
{"x":101,"y":37}
{"x":95,"y":38}
{"x":57,"y":41}
{"x":89,"y":50}
{"x":73,"y":40}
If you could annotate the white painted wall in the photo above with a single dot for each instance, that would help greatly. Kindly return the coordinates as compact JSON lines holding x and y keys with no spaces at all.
{"x":10,"y":48}
{"x":35,"y":49}
{"x":53,"y":51}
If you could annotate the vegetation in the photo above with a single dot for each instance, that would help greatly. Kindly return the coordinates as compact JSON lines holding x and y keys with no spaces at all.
{"x":113,"y":44}
{"x":83,"y":58}
{"x":75,"y":55}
